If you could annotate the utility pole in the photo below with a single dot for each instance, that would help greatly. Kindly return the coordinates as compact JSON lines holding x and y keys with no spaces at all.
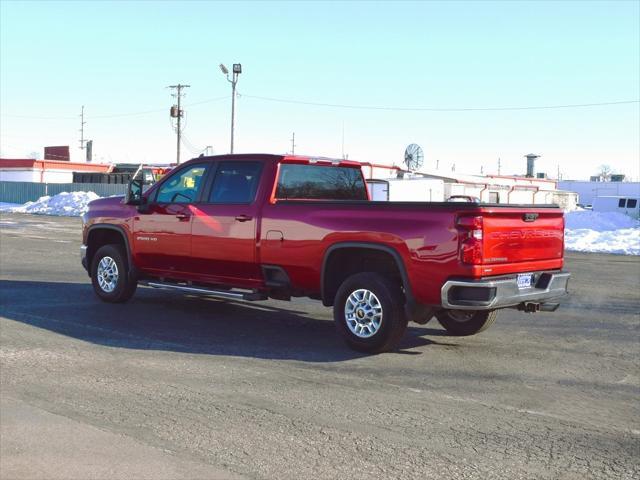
{"x":499,"y":165}
{"x":237,"y":70}
{"x":293,"y":144}
{"x":558,"y":177}
{"x":82,"y":124}
{"x":437,"y":164}
{"x":177,"y":112}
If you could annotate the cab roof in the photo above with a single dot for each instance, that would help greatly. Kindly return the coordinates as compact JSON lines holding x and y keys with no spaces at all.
{"x":301,"y":159}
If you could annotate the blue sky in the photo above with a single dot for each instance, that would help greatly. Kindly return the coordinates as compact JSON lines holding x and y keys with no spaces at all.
{"x":116,"y":58}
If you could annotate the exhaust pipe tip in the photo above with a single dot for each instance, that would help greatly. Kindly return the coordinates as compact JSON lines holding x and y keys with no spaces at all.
{"x":549,"y":307}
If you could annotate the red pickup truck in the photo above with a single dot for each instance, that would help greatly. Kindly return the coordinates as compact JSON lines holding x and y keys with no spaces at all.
{"x":253,"y":227}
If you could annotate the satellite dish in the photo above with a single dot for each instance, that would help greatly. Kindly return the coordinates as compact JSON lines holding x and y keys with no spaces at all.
{"x":413,"y":157}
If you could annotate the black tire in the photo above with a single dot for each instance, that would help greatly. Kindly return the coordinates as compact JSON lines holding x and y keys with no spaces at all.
{"x":393,"y":321}
{"x":124,"y":288}
{"x":477,"y":322}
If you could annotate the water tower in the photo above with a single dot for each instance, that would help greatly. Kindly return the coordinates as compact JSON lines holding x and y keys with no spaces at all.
{"x":531,"y":164}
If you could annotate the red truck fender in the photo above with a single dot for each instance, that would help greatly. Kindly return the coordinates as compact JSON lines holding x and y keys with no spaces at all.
{"x":328,"y":289}
{"x":117,"y":235}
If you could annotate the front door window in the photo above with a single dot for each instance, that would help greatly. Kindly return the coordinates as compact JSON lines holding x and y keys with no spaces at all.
{"x":183,"y":187}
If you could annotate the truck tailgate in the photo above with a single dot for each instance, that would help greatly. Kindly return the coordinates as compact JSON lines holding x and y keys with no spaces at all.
{"x":514,"y":236}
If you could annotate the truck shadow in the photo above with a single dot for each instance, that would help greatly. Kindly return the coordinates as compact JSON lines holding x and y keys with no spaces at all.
{"x":160,"y":320}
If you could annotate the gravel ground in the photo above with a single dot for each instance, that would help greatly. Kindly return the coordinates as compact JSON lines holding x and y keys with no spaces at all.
{"x":169,"y":386}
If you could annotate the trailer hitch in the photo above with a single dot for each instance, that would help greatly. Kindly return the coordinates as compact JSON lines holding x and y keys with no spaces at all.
{"x":531,"y":307}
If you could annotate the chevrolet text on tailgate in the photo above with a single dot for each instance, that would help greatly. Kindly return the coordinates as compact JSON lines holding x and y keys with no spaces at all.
{"x":253,"y":227}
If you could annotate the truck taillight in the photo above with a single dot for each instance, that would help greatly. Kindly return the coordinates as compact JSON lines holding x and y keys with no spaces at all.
{"x":470,"y":239}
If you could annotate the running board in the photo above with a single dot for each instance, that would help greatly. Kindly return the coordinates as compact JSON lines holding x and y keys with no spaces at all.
{"x":248,"y":296}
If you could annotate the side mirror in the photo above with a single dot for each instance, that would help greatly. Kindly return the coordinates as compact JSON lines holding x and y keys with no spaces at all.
{"x":134,"y":192}
{"x":143,"y":206}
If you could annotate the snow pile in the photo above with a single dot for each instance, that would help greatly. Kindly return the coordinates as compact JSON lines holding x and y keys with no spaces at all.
{"x":599,"y":221}
{"x":64,"y":204}
{"x":604,"y":232}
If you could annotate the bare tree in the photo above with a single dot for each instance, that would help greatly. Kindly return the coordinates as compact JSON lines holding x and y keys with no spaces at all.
{"x":604,"y":171}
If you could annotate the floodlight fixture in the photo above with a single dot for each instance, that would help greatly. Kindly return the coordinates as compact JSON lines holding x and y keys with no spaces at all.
{"x":237,"y":70}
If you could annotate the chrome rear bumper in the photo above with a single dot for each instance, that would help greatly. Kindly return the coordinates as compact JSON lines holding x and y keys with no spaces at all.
{"x":502,"y":292}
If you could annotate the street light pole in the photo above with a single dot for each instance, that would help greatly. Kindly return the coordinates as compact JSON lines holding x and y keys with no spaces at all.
{"x":237,"y":70}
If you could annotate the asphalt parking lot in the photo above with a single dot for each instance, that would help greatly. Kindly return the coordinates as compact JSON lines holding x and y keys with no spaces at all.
{"x":169,"y":386}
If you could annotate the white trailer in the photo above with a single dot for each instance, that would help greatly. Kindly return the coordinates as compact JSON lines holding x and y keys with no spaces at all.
{"x":627,"y":205}
{"x":588,"y":191}
{"x":407,"y":190}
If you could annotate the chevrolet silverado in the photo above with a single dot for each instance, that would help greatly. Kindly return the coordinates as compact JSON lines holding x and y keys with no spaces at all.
{"x":253,"y":227}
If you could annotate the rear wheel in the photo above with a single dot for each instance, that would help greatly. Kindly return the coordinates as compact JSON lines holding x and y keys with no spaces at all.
{"x":110,"y":274}
{"x":369,"y":312}
{"x":462,"y":323}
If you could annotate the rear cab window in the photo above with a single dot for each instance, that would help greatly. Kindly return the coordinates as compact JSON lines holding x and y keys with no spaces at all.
{"x":320,"y":182}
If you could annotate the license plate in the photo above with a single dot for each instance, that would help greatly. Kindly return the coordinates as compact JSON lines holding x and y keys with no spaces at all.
{"x":524,"y":280}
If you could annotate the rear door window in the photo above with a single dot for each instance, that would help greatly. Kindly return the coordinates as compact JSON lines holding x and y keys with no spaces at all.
{"x":621,"y":203}
{"x":319,"y":182}
{"x":632,"y":202}
{"x":235,"y":182}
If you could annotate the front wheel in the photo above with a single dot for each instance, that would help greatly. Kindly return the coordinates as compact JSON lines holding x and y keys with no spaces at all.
{"x":462,"y":323}
{"x":110,"y":275}
{"x":369,"y":312}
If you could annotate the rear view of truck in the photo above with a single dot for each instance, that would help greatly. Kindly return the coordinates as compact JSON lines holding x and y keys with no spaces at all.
{"x":513,"y":257}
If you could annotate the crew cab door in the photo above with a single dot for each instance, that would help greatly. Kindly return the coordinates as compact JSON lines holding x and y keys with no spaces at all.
{"x":224,"y":235}
{"x":162,"y":234}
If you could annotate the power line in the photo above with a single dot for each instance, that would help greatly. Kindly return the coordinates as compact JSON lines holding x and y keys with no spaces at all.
{"x":187,"y":143}
{"x":437,"y":109}
{"x":337,"y":105}
{"x":210,"y":100}
{"x":116,"y":115}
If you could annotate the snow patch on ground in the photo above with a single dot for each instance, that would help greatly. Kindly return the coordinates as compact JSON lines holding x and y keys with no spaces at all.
{"x":5,"y":207}
{"x":603,"y":232}
{"x":64,"y":204}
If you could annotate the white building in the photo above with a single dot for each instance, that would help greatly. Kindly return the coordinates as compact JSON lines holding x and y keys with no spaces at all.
{"x":382,"y":181}
{"x":588,"y":191}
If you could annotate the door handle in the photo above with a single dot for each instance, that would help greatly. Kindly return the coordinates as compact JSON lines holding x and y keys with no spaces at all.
{"x":183,"y":216}
{"x":243,"y":218}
